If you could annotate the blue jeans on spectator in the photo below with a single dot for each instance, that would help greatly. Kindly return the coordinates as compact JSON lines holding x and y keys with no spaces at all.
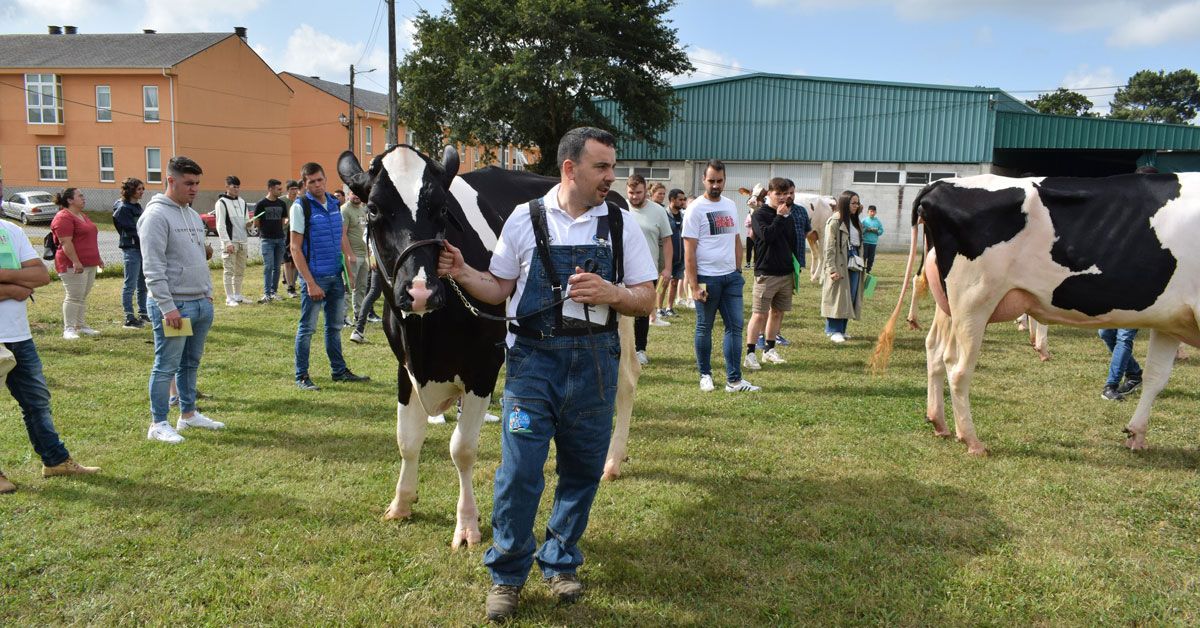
{"x":869,"y":256}
{"x":724,"y":296}
{"x":334,"y":305}
{"x":272,"y":254}
{"x":135,"y":280}
{"x":28,"y":387}
{"x":1120,"y":344}
{"x":177,"y":357}
{"x":838,"y":325}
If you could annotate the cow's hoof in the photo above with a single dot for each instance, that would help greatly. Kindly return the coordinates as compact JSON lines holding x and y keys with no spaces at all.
{"x":469,"y":536}
{"x":612,"y":469}
{"x":1044,"y":356}
{"x":977,"y":449}
{"x":939,"y":427}
{"x":396,"y":512}
{"x":1137,"y":442}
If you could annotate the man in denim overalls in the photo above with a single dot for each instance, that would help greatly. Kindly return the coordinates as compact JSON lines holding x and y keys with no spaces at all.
{"x":561,"y":365}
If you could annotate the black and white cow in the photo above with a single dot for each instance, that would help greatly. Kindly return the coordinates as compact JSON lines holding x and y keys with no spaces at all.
{"x":445,"y":353}
{"x":1110,"y":252}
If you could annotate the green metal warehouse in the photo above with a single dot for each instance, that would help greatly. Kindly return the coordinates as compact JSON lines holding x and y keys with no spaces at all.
{"x":885,"y":140}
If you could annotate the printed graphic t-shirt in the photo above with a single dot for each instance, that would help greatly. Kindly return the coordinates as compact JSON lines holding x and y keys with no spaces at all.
{"x":715,"y":226}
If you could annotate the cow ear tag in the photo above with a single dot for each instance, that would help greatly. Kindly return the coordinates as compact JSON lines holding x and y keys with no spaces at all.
{"x":518,"y":421}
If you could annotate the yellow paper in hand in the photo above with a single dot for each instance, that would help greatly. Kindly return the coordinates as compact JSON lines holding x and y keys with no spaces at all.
{"x":184,"y":330}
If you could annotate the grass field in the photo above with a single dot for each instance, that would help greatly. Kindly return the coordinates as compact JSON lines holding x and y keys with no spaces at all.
{"x":822,"y":500}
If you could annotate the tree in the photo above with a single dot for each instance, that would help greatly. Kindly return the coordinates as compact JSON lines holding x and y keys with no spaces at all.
{"x":523,"y":72}
{"x":1158,"y":97}
{"x":1063,"y":102}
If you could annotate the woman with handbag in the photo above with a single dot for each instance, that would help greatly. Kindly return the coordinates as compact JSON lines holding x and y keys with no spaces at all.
{"x":77,"y":260}
{"x":841,"y":285}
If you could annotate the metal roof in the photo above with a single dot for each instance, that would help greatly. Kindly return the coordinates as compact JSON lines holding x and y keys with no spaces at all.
{"x":773,"y":117}
{"x":1040,"y":131}
{"x":363,"y":99}
{"x":117,"y":50}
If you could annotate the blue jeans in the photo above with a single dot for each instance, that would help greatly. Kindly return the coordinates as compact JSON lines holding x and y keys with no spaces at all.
{"x":1120,"y":344}
{"x":177,"y":355}
{"x":334,"y":306}
{"x":272,"y":254}
{"x":134,"y":280}
{"x":869,"y":255}
{"x":838,"y":325}
{"x":724,"y":296}
{"x":550,"y":392}
{"x":28,"y":387}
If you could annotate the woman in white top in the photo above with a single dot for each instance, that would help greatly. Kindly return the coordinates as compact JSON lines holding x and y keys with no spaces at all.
{"x":841,"y":285}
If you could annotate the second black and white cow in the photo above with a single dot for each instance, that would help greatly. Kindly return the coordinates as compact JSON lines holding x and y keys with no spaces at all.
{"x":1111,"y":252}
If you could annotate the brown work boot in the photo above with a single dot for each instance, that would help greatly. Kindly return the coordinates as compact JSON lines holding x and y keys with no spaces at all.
{"x":566,"y":587}
{"x":6,"y":486}
{"x":68,"y":467}
{"x":502,"y":602}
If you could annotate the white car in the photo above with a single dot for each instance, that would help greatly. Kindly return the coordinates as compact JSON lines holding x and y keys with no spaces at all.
{"x":30,"y":207}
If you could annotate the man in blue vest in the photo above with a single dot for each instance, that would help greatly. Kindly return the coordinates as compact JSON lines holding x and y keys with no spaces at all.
{"x":318,"y":246}
{"x":561,"y":365}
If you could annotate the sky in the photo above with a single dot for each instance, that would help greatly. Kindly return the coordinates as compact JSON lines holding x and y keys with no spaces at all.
{"x":1022,"y":46}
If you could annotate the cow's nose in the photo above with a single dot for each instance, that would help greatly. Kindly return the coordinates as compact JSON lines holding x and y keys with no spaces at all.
{"x":420,"y":295}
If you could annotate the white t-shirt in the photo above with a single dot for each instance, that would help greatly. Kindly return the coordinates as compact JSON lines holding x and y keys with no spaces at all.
{"x":715,"y":226}
{"x":515,"y":249}
{"x":14,"y":317}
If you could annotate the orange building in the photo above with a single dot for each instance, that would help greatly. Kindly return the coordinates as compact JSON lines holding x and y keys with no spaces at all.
{"x":319,"y":117}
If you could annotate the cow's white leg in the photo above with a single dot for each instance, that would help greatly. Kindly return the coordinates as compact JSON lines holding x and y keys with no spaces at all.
{"x":410,"y":435}
{"x":1160,"y":359}
{"x":464,"y":446}
{"x":627,"y":378}
{"x":1041,"y":341}
{"x":935,"y":367}
{"x":1023,"y":322}
{"x":964,"y":339}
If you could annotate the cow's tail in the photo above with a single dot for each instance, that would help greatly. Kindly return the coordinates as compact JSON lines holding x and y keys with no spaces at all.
{"x":883,"y":346}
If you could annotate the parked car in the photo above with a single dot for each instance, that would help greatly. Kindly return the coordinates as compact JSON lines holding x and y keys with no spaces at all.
{"x":210,"y":222}
{"x":30,"y":207}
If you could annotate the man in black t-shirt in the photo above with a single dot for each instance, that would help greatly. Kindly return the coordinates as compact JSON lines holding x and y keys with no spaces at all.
{"x":269,"y":215}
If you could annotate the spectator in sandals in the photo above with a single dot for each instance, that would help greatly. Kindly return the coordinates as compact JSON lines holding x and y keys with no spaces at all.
{"x":76,"y":261}
{"x":125,"y":217}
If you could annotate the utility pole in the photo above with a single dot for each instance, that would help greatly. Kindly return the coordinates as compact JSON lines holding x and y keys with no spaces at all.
{"x":350,"y":127}
{"x":392,"y":130}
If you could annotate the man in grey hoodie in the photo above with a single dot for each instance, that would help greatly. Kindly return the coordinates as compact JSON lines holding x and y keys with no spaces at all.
{"x":175,"y":263}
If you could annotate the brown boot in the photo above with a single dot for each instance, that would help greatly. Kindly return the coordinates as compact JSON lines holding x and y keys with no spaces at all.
{"x":6,"y":486}
{"x":68,"y":467}
{"x":502,"y":602}
{"x":566,"y":587}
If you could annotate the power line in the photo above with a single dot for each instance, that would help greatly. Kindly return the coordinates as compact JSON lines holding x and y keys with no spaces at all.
{"x":371,"y":37}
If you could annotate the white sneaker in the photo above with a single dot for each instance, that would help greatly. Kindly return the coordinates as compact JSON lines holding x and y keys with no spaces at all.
{"x":231,"y":302}
{"x":88,"y":331}
{"x":70,"y":334}
{"x":437,"y":419}
{"x":163,"y":432}
{"x":658,"y":322}
{"x":239,"y":298}
{"x":690,"y":304}
{"x":706,"y":384}
{"x":642,"y":358}
{"x":741,"y":386}
{"x":357,"y":337}
{"x":773,"y":357}
{"x":751,"y":362}
{"x":837,"y":338}
{"x":487,"y":418}
{"x":198,"y":420}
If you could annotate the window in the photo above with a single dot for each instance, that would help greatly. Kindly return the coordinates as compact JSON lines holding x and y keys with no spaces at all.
{"x":934,"y":176}
{"x":52,"y":163}
{"x":916,"y":178}
{"x":43,"y":99}
{"x":891,"y":177}
{"x":107,"y":171}
{"x":153,"y":165}
{"x":150,"y":103}
{"x":103,"y":103}
{"x":623,"y":172}
{"x":367,"y":138}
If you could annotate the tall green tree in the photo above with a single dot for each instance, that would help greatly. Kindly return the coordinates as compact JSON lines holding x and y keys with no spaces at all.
{"x":1158,"y":97}
{"x":1063,"y":102}
{"x":523,"y":72}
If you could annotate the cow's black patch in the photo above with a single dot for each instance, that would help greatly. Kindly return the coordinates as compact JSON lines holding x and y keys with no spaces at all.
{"x":1106,"y":223}
{"x":966,"y":221}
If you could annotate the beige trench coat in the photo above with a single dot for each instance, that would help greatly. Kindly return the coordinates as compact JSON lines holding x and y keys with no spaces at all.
{"x":835,"y":295}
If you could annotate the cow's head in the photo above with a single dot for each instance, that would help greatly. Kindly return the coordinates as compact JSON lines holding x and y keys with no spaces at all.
{"x":408,"y":197}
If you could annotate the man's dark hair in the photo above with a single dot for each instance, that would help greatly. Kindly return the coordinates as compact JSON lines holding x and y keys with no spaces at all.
{"x":675,"y":192}
{"x":571,"y":145}
{"x":180,"y":165}
{"x":779,"y":184}
{"x":1146,"y":170}
{"x":129,"y":188}
{"x":292,"y":183}
{"x":715,"y":164}
{"x":635,"y":179}
{"x":309,"y":169}
{"x":232,"y":180}
{"x":273,"y":182}
{"x":871,"y":208}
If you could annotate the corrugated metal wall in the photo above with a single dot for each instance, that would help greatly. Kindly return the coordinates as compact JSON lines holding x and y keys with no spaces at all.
{"x":1018,"y":130}
{"x":779,"y":118}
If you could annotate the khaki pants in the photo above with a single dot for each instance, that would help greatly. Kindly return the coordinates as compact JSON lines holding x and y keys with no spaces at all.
{"x":77,"y":287}
{"x":234,"y":265}
{"x":360,"y":274}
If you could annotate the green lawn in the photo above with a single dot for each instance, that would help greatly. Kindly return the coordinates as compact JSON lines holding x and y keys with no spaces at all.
{"x":822,"y":500}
